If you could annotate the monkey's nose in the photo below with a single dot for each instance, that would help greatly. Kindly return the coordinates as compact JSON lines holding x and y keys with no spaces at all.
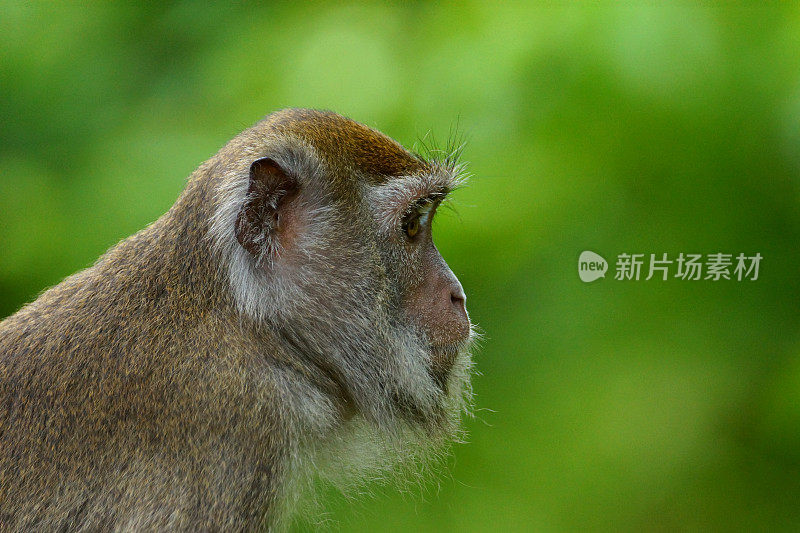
{"x":457,"y":297}
{"x":459,"y":302}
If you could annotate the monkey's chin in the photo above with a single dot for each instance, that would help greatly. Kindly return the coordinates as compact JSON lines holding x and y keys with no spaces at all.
{"x":451,"y":370}
{"x":451,"y":363}
{"x":443,"y":359}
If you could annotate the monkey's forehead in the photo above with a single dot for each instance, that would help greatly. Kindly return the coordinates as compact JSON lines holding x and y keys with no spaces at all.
{"x":346,"y":143}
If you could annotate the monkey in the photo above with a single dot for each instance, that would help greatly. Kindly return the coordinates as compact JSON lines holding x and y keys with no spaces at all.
{"x":289,"y":319}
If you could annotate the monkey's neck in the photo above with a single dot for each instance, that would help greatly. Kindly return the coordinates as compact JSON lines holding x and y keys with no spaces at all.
{"x":168,"y":270}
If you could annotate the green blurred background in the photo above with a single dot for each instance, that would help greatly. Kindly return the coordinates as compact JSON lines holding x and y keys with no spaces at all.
{"x":638,"y":405}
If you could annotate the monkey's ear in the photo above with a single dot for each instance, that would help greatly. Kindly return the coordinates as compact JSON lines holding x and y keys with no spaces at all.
{"x":269,"y":190}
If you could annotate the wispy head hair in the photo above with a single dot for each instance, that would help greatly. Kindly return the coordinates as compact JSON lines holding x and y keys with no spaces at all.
{"x":446,"y":156}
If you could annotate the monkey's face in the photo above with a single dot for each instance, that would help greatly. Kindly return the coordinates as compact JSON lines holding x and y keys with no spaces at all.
{"x":430,"y":296}
{"x":436,"y":304}
{"x":327,"y":235}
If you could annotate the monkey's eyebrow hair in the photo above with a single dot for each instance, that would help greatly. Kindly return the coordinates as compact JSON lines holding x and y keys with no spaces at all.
{"x":434,"y":197}
{"x":393,"y":198}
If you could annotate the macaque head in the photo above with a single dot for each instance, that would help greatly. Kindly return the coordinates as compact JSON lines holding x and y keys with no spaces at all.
{"x":326,"y":232}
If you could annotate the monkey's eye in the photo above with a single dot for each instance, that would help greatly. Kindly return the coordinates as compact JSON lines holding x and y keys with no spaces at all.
{"x":411,"y":226}
{"x":418,"y":217}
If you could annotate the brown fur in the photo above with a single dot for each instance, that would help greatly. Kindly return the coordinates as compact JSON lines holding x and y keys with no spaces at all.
{"x":134,"y":395}
{"x":348,"y":144}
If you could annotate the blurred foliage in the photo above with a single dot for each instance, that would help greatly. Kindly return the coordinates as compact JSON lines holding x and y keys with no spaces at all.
{"x":611,"y":127}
